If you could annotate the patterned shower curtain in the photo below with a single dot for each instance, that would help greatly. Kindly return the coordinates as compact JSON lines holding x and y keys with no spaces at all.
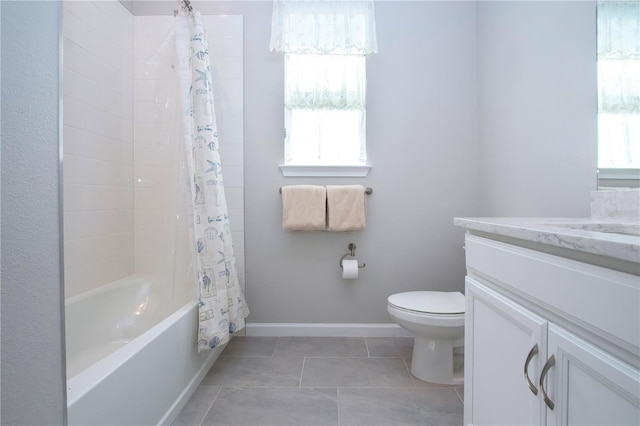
{"x":222,"y":308}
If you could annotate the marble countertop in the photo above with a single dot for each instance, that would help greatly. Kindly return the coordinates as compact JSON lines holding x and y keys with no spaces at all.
{"x":616,"y":239}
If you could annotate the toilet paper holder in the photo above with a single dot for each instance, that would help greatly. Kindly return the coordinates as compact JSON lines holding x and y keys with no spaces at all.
{"x":352,"y":253}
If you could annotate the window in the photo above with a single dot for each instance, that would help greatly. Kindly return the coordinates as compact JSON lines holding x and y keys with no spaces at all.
{"x":324,"y":44}
{"x":325,"y":116}
{"x":618,"y":85}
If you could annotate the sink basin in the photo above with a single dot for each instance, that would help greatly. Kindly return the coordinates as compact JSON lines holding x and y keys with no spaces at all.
{"x":608,"y":228}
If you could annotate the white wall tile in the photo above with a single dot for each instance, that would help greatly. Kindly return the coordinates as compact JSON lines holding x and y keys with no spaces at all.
{"x":232,"y":155}
{"x":73,"y":28}
{"x":232,"y":46}
{"x":148,"y":263}
{"x":92,"y":223}
{"x":84,"y":278}
{"x":73,"y":169}
{"x":147,"y":90}
{"x":82,"y":61}
{"x":149,"y":219}
{"x":113,"y":209}
{"x":238,"y":239}
{"x":150,"y":242}
{"x":150,"y":198}
{"x":145,"y":68}
{"x":231,"y":133}
{"x":145,"y":46}
{"x":147,"y":136}
{"x":83,"y":143}
{"x":233,"y":176}
{"x":152,"y":26}
{"x":97,"y":143}
{"x":106,"y":197}
{"x":216,"y":46}
{"x":151,"y":112}
{"x":73,"y":197}
{"x":236,"y":220}
{"x":235,"y":200}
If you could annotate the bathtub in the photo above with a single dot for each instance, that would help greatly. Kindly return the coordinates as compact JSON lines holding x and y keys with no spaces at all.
{"x":134,"y":365}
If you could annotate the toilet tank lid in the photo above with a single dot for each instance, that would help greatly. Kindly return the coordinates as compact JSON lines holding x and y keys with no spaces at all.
{"x":436,"y":302}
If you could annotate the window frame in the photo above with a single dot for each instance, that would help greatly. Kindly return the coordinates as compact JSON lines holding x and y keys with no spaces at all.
{"x":324,"y":169}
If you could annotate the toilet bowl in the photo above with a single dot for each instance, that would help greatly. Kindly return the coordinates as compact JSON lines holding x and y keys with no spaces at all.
{"x":437,"y":320}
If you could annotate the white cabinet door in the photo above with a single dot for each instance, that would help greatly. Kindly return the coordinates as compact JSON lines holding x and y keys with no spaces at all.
{"x":589,"y":386}
{"x":499,"y":336}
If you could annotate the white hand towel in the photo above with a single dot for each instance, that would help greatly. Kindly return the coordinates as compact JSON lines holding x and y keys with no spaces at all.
{"x":346,"y":208}
{"x":304,"y":208}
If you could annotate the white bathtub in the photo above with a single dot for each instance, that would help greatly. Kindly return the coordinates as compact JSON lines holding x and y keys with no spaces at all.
{"x":126,"y":366}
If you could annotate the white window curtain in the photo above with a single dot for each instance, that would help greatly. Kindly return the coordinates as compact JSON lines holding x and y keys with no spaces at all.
{"x":325,"y":42}
{"x":324,"y":26}
{"x":325,"y":82}
{"x":619,"y":84}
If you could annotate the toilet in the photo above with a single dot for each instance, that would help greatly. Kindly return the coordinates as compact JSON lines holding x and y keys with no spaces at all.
{"x":436,"y":319}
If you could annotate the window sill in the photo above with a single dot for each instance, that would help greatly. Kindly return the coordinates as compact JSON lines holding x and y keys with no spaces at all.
{"x":611,"y":173}
{"x":325,"y":171}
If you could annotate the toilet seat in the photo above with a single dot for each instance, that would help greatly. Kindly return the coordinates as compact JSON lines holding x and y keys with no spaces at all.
{"x":429,"y":302}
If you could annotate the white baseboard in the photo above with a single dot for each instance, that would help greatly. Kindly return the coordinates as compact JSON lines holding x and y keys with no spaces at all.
{"x":326,"y":330}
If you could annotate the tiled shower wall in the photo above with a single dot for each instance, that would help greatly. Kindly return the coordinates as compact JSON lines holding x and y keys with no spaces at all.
{"x":114,"y":190}
{"x":98,"y":144}
{"x":154,"y":72}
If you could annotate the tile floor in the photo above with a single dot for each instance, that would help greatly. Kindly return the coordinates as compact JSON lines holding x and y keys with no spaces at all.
{"x":319,"y":381}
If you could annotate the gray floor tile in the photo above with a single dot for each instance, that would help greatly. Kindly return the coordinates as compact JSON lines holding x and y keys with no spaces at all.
{"x":250,"y":346}
{"x":274,"y":406}
{"x":254,"y":371}
{"x":355,"y":372}
{"x":321,"y":346}
{"x":387,"y":407}
{"x":390,"y":347}
{"x":197,"y":407}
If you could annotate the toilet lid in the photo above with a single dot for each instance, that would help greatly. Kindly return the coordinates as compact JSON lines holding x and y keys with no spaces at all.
{"x":436,"y":302}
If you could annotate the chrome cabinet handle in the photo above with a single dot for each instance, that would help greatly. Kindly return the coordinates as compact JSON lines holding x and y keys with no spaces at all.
{"x":533,"y":352}
{"x":550,"y":363}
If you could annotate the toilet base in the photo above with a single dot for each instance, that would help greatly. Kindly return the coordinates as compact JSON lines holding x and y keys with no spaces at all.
{"x":432,"y":361}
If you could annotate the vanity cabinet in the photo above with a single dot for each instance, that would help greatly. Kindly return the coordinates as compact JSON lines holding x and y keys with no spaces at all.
{"x":548,"y":340}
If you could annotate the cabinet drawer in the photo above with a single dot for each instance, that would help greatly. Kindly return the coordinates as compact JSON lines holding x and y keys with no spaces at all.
{"x":589,"y":295}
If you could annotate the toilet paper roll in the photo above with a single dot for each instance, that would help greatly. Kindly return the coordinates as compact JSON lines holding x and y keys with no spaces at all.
{"x":349,"y":269}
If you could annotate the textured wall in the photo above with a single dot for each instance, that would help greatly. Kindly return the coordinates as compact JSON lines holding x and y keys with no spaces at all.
{"x":32,"y":387}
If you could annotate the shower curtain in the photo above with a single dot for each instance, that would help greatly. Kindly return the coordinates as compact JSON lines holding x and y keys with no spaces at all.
{"x":222,"y":308}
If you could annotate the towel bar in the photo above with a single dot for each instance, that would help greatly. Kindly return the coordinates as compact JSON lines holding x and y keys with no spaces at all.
{"x":367,"y":190}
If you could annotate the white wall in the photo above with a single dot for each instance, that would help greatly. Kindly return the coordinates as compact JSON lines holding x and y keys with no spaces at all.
{"x":32,"y":384}
{"x":536,"y":107}
{"x":98,"y":144}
